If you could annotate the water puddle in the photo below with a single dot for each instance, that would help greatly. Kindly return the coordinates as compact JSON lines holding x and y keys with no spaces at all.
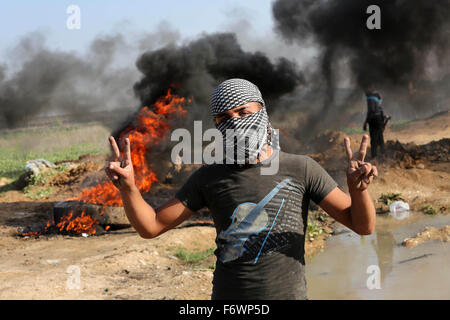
{"x":349,"y":265}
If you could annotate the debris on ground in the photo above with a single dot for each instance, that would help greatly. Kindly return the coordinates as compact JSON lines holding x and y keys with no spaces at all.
{"x":36,"y":166}
{"x":428,"y":234}
{"x":74,"y":173}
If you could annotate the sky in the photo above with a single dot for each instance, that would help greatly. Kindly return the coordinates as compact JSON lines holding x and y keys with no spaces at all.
{"x":99,"y":17}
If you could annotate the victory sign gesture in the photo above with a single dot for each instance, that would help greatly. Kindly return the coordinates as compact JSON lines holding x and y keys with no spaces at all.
{"x":359,"y":173}
{"x":120,"y":171}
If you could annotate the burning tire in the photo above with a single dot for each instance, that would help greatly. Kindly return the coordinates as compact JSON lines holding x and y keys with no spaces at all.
{"x":80,"y":217}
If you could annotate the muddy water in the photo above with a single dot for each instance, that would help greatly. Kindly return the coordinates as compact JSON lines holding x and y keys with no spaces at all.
{"x":351,"y":264}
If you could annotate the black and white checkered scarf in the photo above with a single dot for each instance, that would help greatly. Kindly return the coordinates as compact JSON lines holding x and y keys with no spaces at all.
{"x":244,"y":137}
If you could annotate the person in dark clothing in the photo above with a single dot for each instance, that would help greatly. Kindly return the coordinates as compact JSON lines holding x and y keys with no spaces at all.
{"x":375,"y":119}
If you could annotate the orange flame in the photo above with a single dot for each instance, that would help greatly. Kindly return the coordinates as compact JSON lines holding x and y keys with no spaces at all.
{"x":81,"y":224}
{"x":150,"y":128}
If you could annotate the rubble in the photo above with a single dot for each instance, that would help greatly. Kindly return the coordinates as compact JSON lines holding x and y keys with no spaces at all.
{"x":428,"y":234}
{"x":36,"y":166}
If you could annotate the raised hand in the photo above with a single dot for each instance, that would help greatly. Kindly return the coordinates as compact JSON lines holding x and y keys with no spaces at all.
{"x":120,"y":171}
{"x":359,"y":173}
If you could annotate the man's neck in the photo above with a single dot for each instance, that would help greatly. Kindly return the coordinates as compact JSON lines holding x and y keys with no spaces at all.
{"x":265,"y":153}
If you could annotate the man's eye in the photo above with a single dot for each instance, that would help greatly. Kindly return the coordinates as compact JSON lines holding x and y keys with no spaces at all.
{"x":220,"y":119}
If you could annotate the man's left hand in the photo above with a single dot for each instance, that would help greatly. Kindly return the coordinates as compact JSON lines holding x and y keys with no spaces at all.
{"x":359,"y":173}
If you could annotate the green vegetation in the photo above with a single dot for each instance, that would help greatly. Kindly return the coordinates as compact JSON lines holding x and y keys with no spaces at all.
{"x":37,"y":194}
{"x":42,"y":178}
{"x":399,"y":125}
{"x":37,"y":184}
{"x":193,"y":256}
{"x":428,"y":209}
{"x":313,"y":230}
{"x":388,"y":198}
{"x":53,"y":144}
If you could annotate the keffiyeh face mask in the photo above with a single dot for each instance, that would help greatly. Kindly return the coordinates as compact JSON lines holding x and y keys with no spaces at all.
{"x":243,"y":137}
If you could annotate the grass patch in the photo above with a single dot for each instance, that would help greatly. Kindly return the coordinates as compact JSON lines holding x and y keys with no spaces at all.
{"x":53,"y":144}
{"x":192,"y":256}
{"x":428,"y":209}
{"x":37,"y":184}
{"x":355,"y":130}
{"x":399,"y":125}
{"x":313,"y":230}
{"x":12,"y":161}
{"x":38,"y":193}
{"x":388,"y":198}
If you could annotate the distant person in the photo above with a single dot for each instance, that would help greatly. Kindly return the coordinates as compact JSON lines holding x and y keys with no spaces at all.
{"x":376,"y":120}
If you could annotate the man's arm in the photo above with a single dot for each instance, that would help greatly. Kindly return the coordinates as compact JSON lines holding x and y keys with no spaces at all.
{"x":356,"y":212}
{"x":147,"y":222}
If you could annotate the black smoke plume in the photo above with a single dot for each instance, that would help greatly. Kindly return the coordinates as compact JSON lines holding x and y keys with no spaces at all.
{"x":196,"y":68}
{"x":47,"y":80}
{"x":413,"y":41}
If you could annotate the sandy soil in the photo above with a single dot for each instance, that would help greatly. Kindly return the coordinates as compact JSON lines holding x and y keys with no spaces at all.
{"x":425,"y":130}
{"x":416,"y":163}
{"x":121,"y":265}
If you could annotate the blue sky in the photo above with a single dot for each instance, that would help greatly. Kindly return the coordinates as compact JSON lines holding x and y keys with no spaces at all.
{"x":98,"y":17}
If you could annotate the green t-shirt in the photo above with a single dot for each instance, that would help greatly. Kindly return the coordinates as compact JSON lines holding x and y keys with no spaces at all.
{"x":260,"y":222}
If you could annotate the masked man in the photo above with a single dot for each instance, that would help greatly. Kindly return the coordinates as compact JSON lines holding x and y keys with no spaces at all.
{"x":260,"y":216}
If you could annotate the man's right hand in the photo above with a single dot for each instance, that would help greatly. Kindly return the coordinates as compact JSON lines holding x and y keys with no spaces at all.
{"x":120,"y":171}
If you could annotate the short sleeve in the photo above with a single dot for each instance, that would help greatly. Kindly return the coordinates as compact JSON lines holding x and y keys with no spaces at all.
{"x":318,"y":182}
{"x":190,"y":193}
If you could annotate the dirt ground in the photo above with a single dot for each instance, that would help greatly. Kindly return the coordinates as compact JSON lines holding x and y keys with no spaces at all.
{"x":121,"y":265}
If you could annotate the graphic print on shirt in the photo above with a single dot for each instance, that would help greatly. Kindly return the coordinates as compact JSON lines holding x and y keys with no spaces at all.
{"x":248,"y":219}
